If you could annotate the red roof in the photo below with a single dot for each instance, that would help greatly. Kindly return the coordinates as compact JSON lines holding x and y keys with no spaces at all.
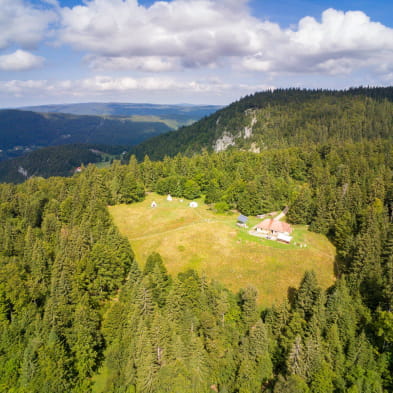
{"x":273,"y":225}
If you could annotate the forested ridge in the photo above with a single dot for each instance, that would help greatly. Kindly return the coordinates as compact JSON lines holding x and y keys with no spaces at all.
{"x":178,"y":114}
{"x":283,"y":118}
{"x":22,"y":131}
{"x":60,"y":160}
{"x":79,"y":314}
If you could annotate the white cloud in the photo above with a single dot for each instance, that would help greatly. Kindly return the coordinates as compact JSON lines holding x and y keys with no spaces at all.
{"x":194,"y":33}
{"x":22,"y":24}
{"x":105,"y":85}
{"x":20,"y":60}
{"x":339,"y":44}
{"x":146,"y":64}
{"x":122,"y":34}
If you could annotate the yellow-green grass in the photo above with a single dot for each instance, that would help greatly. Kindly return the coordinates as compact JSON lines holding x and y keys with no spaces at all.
{"x":169,"y":122}
{"x":99,"y":380}
{"x":102,"y":164}
{"x":214,"y":245}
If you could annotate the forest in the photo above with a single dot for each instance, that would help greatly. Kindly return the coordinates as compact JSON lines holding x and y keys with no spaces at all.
{"x":283,"y":118}
{"x":79,"y":314}
{"x":56,"y":161}
{"x":24,"y":131}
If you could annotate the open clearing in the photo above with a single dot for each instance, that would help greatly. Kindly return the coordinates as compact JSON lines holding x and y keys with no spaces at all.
{"x":212,"y":244}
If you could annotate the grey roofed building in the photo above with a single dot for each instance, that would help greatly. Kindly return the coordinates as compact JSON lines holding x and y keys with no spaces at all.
{"x":242,"y":219}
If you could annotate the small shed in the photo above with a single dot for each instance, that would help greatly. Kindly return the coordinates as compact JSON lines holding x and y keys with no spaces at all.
{"x":193,"y":204}
{"x":284,"y":238}
{"x":242,"y":220}
{"x":169,"y":198}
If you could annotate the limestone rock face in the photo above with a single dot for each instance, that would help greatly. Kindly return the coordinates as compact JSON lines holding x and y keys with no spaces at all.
{"x":227,"y":139}
{"x":224,"y":142}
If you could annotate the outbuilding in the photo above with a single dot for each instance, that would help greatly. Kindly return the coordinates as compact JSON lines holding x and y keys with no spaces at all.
{"x":242,"y":220}
{"x":284,"y":238}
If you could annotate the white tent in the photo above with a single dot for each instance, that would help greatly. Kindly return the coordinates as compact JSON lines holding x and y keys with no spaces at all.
{"x":193,"y":204}
{"x":169,"y":198}
{"x":153,"y":204}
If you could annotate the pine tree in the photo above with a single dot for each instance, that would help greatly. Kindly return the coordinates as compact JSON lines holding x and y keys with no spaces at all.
{"x":248,"y":306}
{"x":307,"y":295}
{"x":292,"y":384}
{"x":322,"y":379}
{"x":159,"y":281}
{"x":302,"y":208}
{"x":56,"y":374}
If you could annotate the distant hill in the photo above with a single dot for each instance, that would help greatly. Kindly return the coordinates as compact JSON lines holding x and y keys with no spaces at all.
{"x":282,"y":118}
{"x":24,"y":131}
{"x":172,"y":115}
{"x":55,"y":161}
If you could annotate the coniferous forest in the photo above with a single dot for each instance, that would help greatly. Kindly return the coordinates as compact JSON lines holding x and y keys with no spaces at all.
{"x":79,"y":314}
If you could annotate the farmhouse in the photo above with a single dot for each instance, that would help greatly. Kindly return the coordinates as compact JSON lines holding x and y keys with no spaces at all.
{"x":275,"y":229}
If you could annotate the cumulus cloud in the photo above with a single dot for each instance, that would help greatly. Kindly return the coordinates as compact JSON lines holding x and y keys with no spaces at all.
{"x":22,"y":24}
{"x":195,"y":33}
{"x":122,"y":34}
{"x":20,"y":60}
{"x":340,"y":43}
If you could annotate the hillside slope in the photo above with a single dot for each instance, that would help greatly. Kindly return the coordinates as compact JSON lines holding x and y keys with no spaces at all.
{"x":55,"y":161}
{"x":282,"y":118}
{"x":24,"y":130}
{"x":79,"y":314}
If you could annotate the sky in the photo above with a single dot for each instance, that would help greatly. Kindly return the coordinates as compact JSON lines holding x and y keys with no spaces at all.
{"x":188,"y":51}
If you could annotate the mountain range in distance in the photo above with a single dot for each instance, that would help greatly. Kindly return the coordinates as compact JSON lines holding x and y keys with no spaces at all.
{"x":172,"y":115}
{"x":51,"y":140}
{"x":277,"y":119}
{"x":26,"y":129}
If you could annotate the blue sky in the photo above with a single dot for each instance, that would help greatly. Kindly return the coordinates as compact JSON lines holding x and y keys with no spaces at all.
{"x":195,"y":51}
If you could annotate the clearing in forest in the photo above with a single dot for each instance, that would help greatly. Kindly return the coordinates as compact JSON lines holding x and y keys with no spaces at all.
{"x":213,"y":245}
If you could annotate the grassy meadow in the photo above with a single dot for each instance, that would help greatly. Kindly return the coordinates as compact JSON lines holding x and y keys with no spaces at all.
{"x":214,"y":245}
